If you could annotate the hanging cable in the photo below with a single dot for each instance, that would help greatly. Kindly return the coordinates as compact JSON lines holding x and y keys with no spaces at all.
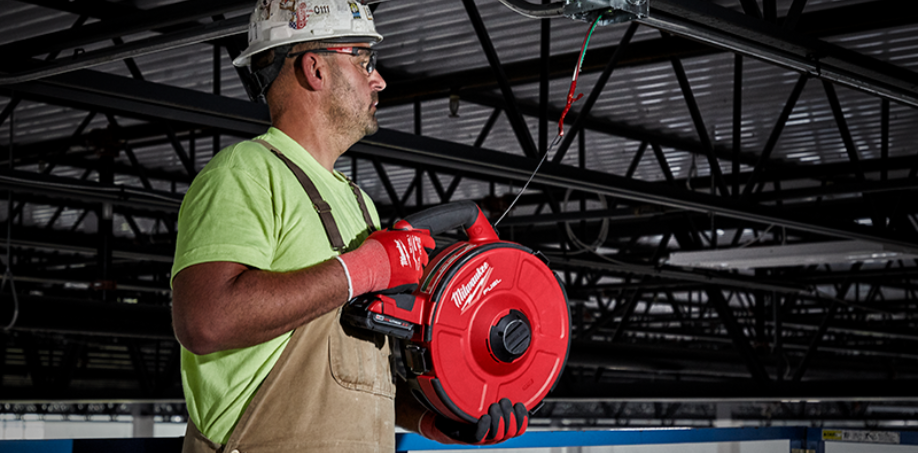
{"x":570,"y":100}
{"x":583,"y":247}
{"x":523,"y":189}
{"x":570,"y":94}
{"x":535,"y":11}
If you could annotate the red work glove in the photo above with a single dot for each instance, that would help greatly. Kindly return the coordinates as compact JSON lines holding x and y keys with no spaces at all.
{"x":388,"y":259}
{"x":503,"y":421}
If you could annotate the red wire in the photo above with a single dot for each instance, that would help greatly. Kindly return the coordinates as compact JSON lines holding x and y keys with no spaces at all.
{"x":570,"y":100}
{"x":570,"y":94}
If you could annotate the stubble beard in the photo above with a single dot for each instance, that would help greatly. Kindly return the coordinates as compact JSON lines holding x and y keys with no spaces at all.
{"x":372,"y":123}
{"x":350,"y":118}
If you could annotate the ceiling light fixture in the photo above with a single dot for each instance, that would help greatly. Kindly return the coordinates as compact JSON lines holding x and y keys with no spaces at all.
{"x":791,"y":255}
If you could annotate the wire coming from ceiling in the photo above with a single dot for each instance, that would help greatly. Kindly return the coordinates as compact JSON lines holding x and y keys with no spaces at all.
{"x":570,"y":100}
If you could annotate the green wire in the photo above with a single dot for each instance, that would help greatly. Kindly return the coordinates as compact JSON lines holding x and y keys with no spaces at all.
{"x":587,"y":42}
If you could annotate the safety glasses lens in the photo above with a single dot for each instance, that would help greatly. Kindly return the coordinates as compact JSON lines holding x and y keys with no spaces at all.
{"x":371,"y":64}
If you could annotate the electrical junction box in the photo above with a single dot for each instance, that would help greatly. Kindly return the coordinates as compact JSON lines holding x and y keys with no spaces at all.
{"x":612,"y":11}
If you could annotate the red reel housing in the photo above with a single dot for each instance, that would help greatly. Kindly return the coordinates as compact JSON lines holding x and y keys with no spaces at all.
{"x":492,"y":318}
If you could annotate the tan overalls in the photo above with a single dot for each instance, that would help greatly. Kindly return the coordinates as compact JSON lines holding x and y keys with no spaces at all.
{"x":330,"y":390}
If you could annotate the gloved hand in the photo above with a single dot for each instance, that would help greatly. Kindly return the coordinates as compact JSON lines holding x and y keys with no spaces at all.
{"x":387,"y":260}
{"x":503,"y":421}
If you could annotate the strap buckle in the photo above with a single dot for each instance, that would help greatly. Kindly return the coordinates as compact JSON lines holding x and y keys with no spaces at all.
{"x":321,"y":207}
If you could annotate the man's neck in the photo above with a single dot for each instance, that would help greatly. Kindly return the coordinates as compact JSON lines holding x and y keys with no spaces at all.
{"x":319,"y":140}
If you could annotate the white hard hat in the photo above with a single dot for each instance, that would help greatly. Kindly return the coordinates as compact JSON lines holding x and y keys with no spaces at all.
{"x":279,"y":22}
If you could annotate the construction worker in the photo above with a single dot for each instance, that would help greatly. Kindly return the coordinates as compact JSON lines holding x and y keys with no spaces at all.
{"x":272,"y":242}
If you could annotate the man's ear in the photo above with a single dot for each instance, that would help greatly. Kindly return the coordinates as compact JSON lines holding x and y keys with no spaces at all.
{"x":312,"y":71}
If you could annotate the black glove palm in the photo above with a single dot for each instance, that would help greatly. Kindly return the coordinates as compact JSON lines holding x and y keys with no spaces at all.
{"x":503,"y":421}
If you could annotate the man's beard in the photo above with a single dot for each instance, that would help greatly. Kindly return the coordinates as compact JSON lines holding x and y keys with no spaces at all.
{"x":350,"y":118}
{"x":373,"y":124}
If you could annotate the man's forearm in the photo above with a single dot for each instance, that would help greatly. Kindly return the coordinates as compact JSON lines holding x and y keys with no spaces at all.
{"x":223,"y":305}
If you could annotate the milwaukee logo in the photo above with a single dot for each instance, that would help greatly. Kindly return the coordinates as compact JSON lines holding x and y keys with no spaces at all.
{"x":402,"y":253}
{"x":468,"y":294}
{"x":409,"y":255}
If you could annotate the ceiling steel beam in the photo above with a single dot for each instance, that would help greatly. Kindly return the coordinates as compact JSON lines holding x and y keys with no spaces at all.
{"x":852,"y":62}
{"x":87,"y":191}
{"x":705,"y":278}
{"x":731,"y":30}
{"x":241,"y":117}
{"x":85,"y":284}
{"x":451,"y":156}
{"x":149,"y":101}
{"x":865,"y":275}
{"x":836,"y":172}
{"x":118,"y":99}
{"x":404,"y":88}
{"x":126,"y":24}
{"x":621,"y":129}
{"x":841,"y":188}
{"x":158,"y":43}
{"x":584,"y":113}
{"x":101,"y":9}
{"x":774,"y":137}
{"x":520,"y":129}
{"x":68,"y":242}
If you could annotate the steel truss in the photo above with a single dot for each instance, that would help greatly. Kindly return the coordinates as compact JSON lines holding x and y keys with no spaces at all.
{"x":752,"y":335}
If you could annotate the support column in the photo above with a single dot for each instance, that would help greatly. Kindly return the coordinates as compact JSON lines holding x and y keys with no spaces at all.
{"x":105,"y":229}
{"x":142,"y":420}
{"x":724,"y":415}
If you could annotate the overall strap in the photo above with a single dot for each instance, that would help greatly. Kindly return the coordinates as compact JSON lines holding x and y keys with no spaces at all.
{"x":321,"y":207}
{"x":363,"y":205}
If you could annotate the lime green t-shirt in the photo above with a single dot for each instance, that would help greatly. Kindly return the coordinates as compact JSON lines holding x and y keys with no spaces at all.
{"x":247,"y":207}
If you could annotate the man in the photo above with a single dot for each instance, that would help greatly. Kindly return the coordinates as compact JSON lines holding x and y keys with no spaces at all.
{"x":273,"y":241}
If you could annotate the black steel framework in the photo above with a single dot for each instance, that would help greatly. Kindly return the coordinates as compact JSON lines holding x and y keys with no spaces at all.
{"x":651,"y":341}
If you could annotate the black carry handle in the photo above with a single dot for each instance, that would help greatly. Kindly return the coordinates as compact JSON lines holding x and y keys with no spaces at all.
{"x":445,"y":217}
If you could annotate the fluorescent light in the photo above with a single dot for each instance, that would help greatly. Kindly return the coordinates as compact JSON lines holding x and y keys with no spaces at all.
{"x":791,"y":255}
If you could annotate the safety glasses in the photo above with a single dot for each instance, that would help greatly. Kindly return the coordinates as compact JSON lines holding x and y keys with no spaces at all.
{"x":353,"y":51}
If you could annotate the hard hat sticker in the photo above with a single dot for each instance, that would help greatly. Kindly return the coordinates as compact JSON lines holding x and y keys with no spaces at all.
{"x":368,"y":11}
{"x":302,"y":15}
{"x":275,"y":23}
{"x":264,"y":9}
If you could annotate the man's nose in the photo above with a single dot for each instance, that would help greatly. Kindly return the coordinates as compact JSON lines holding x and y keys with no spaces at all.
{"x":377,"y":82}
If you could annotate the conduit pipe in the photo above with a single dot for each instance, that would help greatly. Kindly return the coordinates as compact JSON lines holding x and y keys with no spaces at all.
{"x":535,"y":11}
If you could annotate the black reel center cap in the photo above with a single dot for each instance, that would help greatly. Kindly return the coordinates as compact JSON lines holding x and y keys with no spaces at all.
{"x":510,"y":337}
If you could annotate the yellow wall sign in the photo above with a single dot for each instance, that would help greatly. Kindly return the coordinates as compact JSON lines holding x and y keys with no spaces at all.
{"x":874,"y":437}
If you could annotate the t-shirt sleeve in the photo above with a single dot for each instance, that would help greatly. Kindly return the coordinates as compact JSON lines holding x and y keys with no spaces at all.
{"x":226,"y":216}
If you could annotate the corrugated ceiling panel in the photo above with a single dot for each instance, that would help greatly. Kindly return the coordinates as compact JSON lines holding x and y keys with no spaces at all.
{"x":22,"y":20}
{"x":437,"y":37}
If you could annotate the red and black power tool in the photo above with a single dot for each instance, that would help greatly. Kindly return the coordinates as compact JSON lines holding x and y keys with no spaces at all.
{"x":489,"y":320}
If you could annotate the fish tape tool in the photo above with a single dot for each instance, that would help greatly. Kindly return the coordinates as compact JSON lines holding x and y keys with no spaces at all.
{"x":489,"y":320}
